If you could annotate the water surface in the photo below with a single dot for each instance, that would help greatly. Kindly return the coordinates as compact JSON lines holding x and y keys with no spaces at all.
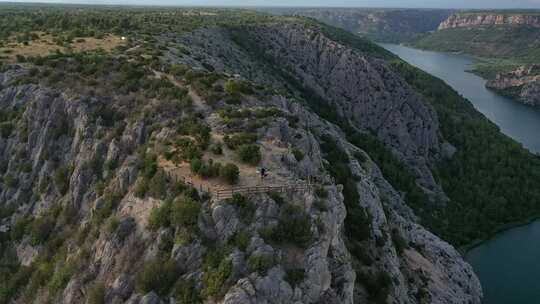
{"x":508,"y":265}
{"x":519,"y":121}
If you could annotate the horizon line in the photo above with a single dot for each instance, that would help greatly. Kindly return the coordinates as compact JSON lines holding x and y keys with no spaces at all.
{"x":84,"y":3}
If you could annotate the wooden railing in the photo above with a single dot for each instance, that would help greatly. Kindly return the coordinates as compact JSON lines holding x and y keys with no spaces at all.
{"x":229,"y":192}
{"x":224,"y":193}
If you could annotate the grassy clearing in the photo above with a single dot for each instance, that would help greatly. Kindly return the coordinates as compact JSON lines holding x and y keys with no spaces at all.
{"x":46,"y":44}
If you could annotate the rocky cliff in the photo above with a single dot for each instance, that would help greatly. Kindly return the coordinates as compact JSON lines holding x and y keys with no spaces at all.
{"x":469,"y":19}
{"x":522,"y":84}
{"x":109,"y":176}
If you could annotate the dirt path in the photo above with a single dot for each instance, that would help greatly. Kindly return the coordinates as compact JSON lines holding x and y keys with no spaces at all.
{"x":197,"y":100}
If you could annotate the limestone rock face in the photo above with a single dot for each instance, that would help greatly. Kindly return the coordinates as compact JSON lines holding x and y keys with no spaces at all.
{"x":522,"y":84}
{"x":489,"y":19}
{"x":363,"y":90}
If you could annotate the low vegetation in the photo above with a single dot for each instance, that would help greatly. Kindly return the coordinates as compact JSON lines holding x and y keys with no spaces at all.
{"x":157,"y":275}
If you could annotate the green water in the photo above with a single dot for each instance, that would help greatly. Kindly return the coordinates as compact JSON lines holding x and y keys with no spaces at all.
{"x":508,"y":265}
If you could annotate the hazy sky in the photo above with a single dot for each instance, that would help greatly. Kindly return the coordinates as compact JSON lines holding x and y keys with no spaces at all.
{"x":355,"y":3}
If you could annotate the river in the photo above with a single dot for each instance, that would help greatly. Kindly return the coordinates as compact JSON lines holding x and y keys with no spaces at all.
{"x":507,"y":264}
{"x":519,"y":121}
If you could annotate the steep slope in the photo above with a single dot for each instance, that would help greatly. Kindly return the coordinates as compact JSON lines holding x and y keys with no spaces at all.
{"x":108,"y":254}
{"x":108,"y":188}
{"x":506,"y":42}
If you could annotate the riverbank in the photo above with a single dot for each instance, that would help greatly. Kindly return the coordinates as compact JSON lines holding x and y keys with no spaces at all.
{"x":503,"y":228}
{"x":505,"y":260}
{"x":516,"y":120}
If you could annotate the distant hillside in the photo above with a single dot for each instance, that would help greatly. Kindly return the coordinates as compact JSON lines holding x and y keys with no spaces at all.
{"x":381,"y":25}
{"x":474,"y":19}
{"x":504,"y":40}
{"x":504,"y":35}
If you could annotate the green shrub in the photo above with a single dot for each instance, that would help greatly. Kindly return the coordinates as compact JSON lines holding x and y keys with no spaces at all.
{"x":217,"y":149}
{"x":112,"y":224}
{"x":236,"y":140}
{"x":235,"y":87}
{"x":260,"y":263}
{"x":10,"y":181}
{"x":230,"y":173}
{"x":377,"y":285}
{"x":5,"y":129}
{"x":214,"y":279}
{"x":43,"y":271}
{"x":160,"y":216}
{"x":209,"y":169}
{"x":359,"y":251}
{"x":15,"y":282}
{"x":157,"y":186}
{"x":294,"y":227}
{"x":96,"y":293}
{"x":61,"y":179}
{"x":185,"y":211}
{"x":185,"y":291}
{"x":41,"y":229}
{"x":26,"y":167}
{"x":157,"y":275}
{"x":250,"y":154}
{"x":178,"y":70}
{"x":147,"y":163}
{"x":199,"y":130}
{"x":299,"y":155}
{"x":360,"y":157}
{"x":245,"y":208}
{"x":20,"y":228}
{"x":277,"y":198}
{"x":321,"y":192}
{"x":267,"y":233}
{"x":141,"y":187}
{"x":399,"y":242}
{"x":295,"y":276}
{"x":110,"y":201}
{"x":195,"y":165}
{"x":241,"y":240}
{"x":188,"y":149}
{"x":61,"y":277}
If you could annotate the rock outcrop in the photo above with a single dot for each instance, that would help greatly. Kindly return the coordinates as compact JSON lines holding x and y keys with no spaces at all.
{"x":473,"y":19}
{"x":523,"y":84}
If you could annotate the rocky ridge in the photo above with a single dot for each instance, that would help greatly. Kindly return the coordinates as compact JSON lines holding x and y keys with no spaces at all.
{"x":58,"y":151}
{"x":469,"y":19}
{"x":362,"y":89}
{"x":522,"y":84}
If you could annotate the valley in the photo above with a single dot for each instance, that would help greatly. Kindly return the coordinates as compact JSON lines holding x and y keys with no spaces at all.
{"x":119,"y":124}
{"x":504,"y":42}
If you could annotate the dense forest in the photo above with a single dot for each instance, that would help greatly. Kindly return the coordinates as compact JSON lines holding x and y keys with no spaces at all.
{"x":491,"y":181}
